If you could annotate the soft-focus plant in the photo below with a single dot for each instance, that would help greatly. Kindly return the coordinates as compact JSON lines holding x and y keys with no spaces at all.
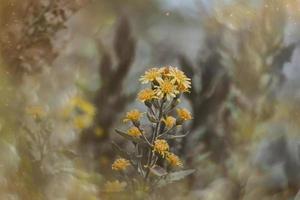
{"x":152,"y":160}
{"x":80,"y":112}
{"x":109,"y":99}
{"x":29,"y":30}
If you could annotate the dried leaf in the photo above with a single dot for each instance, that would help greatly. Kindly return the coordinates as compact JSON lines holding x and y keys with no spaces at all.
{"x":158,"y":171}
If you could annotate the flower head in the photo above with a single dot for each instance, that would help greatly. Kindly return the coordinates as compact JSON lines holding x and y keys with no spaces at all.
{"x":134,"y":132}
{"x":161,"y":147}
{"x":182,"y":80}
{"x":173,"y":160}
{"x":114,"y":186}
{"x":165,"y":71}
{"x":120,"y":164}
{"x":182,"y":88}
{"x":133,"y":115}
{"x":169,"y":121}
{"x":146,"y":95}
{"x":150,"y":75}
{"x":166,"y":88}
{"x":184,"y":114}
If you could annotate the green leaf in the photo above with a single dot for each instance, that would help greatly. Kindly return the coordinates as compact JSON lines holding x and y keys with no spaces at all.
{"x":175,"y":176}
{"x":128,"y":137}
{"x":158,"y":171}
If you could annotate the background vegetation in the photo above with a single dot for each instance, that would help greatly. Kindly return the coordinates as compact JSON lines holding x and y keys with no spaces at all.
{"x":69,"y":73}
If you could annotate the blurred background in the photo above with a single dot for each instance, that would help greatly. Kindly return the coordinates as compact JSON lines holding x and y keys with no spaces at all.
{"x":70,"y":69}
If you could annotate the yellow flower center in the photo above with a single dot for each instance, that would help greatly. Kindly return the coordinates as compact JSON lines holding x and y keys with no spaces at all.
{"x":166,"y":70}
{"x":167,"y":87}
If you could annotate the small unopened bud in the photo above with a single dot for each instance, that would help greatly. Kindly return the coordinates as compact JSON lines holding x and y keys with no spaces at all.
{"x":148,"y":103}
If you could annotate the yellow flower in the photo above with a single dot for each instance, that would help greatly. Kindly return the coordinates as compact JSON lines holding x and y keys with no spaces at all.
{"x":150,"y":75}
{"x":80,"y":112}
{"x":173,"y":160}
{"x":114,"y":186}
{"x":82,"y":106}
{"x":181,"y":88}
{"x":120,"y":164}
{"x":166,"y":88}
{"x":36,"y":111}
{"x":182,"y":80}
{"x":169,"y":121}
{"x":161,"y":147}
{"x":146,"y":94}
{"x":133,"y":115}
{"x":82,"y":121}
{"x":134,"y":131}
{"x":184,"y":114}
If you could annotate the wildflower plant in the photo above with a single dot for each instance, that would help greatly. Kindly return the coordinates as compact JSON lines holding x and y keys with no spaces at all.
{"x":153,"y":160}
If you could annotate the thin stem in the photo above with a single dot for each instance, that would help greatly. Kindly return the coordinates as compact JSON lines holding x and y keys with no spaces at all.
{"x":145,"y":138}
{"x":167,"y":131}
{"x":154,"y":136}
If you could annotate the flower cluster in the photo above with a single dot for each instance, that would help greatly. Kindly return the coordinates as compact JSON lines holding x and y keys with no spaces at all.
{"x":166,"y":85}
{"x":167,"y":82}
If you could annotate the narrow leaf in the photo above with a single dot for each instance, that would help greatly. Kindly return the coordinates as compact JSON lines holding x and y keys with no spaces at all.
{"x":151,"y":117}
{"x":175,"y":176}
{"x":169,"y":137}
{"x":131,"y":138}
{"x":119,"y":151}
